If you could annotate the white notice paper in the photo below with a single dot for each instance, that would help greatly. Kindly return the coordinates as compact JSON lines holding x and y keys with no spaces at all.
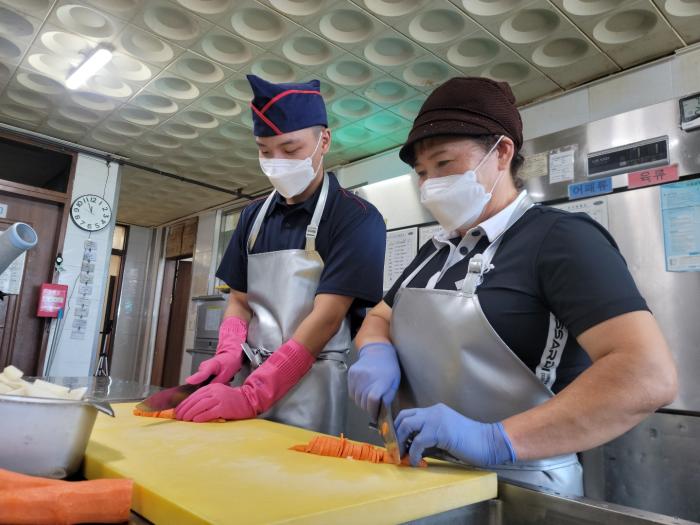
{"x":535,"y":166}
{"x":561,"y":166}
{"x":401,"y":249}
{"x":425,"y":233}
{"x":11,"y":278}
{"x":597,"y":208}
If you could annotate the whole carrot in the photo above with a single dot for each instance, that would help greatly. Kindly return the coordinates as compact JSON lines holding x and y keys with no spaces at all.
{"x":55,"y":502}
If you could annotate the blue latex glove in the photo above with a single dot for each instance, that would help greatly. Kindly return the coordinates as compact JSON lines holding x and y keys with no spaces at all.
{"x":375,"y":377}
{"x":438,"y":426}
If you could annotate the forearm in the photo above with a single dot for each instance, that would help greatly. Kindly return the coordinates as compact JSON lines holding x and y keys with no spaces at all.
{"x":376,"y":327}
{"x":238,"y":306}
{"x":323,"y":322}
{"x":609,"y":398}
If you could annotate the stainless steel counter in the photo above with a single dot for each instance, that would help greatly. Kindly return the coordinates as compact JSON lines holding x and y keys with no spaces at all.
{"x":520,"y":505}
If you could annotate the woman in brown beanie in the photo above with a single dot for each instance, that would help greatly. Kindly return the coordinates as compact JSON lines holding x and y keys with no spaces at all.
{"x":517,"y":335}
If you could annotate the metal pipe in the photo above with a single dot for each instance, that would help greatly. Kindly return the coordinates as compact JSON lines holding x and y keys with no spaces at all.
{"x":14,"y":241}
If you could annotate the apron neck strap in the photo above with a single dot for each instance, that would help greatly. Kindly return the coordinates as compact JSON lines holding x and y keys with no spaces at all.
{"x":418,"y":269}
{"x":480,"y":264}
{"x":311,"y":229}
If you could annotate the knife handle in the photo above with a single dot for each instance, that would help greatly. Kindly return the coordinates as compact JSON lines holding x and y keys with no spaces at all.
{"x":433,"y":452}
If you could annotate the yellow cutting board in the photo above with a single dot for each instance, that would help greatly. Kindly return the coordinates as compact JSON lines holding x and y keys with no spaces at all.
{"x":243,"y":472}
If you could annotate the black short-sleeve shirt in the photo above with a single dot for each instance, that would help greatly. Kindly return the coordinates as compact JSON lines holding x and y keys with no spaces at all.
{"x":552,"y":268}
{"x":351,"y":241}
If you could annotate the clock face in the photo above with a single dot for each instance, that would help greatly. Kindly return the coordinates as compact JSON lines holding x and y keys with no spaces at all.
{"x":91,"y":212}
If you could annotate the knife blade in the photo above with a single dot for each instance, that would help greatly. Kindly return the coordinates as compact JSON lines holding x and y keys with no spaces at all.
{"x":386,"y":429}
{"x":170,"y":397}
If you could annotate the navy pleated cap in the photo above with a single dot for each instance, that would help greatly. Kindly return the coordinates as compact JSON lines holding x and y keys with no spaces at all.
{"x":283,"y":108}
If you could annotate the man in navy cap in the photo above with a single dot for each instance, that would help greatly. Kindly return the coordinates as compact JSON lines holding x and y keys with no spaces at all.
{"x":298,"y":264}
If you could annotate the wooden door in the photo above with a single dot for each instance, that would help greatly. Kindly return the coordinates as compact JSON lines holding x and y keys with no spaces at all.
{"x":21,"y":331}
{"x":174,"y":345}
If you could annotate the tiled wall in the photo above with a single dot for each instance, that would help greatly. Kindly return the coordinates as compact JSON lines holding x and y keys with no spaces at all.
{"x":128,"y":357}
{"x":202,"y":278}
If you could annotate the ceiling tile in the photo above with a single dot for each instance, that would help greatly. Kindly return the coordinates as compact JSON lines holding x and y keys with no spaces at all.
{"x":260,"y":25}
{"x":388,"y":91}
{"x":85,"y":20}
{"x":36,"y":8}
{"x":684,"y":17}
{"x":619,"y":28}
{"x":533,"y":88}
{"x":391,"y":51}
{"x":392,"y":11}
{"x":171,"y":22}
{"x":146,"y":46}
{"x":298,"y":10}
{"x":213,"y":10}
{"x":437,"y":25}
{"x":427,"y":73}
{"x":307,"y":50}
{"x":227,"y":49}
{"x":346,"y":25}
{"x":124,"y":9}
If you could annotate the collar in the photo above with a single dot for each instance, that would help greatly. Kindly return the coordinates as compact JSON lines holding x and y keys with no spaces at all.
{"x":309,"y":205}
{"x":496,"y":225}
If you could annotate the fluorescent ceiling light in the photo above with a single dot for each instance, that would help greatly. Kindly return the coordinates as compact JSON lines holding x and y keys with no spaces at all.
{"x":92,"y":64}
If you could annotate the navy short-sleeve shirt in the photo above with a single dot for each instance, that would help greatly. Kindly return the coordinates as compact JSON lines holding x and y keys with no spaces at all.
{"x":351,"y":241}
{"x":553,"y":270}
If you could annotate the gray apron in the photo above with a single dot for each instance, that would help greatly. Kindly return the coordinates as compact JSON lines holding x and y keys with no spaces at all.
{"x":281,"y":290}
{"x":450,"y":354}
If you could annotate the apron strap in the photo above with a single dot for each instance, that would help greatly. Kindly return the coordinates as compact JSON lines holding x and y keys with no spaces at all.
{"x":311,"y":229}
{"x":480,"y":264}
{"x":422,"y":265}
{"x":255,"y":230}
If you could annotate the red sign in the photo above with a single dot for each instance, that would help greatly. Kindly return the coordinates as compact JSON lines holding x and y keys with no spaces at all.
{"x":653,"y":176}
{"x":52,"y":298}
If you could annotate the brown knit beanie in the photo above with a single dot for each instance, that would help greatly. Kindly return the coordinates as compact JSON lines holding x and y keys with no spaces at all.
{"x":466,"y":106}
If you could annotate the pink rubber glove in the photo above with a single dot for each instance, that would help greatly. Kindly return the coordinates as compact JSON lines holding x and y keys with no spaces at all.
{"x":229,"y":355}
{"x":263,"y":388}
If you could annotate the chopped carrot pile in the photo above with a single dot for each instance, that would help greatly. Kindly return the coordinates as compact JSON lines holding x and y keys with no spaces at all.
{"x":165,"y":414}
{"x":41,"y":501}
{"x":344,"y":448}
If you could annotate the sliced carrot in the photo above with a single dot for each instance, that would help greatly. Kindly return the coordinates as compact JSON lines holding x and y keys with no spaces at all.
{"x":165,"y":414}
{"x":344,"y":448}
{"x":64,"y":502}
{"x":384,"y":428}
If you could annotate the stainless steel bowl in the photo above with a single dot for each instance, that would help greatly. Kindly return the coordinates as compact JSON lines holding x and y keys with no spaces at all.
{"x":44,"y":437}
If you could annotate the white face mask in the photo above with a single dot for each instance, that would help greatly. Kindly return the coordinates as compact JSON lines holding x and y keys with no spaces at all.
{"x":457,"y":201}
{"x":290,"y":177}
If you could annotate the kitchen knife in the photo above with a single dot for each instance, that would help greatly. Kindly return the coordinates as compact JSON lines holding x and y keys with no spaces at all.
{"x":170,"y":397}
{"x":386,"y":429}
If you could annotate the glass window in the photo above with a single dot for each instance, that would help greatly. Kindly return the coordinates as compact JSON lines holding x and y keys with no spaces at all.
{"x":115,"y":262}
{"x":119,"y":237}
{"x":229,"y":220}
